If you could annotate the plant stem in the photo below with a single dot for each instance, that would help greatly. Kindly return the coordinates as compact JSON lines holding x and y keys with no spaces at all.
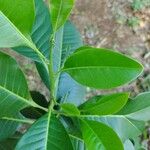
{"x":40,"y":107}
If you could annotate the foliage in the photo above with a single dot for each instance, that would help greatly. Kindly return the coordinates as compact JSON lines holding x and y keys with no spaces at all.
{"x":43,"y":33}
{"x":140,"y":4}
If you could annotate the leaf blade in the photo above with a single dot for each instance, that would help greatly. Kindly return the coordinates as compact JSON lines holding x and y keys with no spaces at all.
{"x":92,"y":67}
{"x":138,"y":107}
{"x":105,"y":105}
{"x":47,"y":128}
{"x":60,"y":11}
{"x":99,"y":136}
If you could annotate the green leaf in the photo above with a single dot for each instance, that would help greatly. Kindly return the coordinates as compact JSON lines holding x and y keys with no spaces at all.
{"x":105,"y":105}
{"x":46,"y":133}
{"x":128,"y":145}
{"x":77,"y":144}
{"x":66,"y":42}
{"x":13,"y":87}
{"x":101,"y":68}
{"x":70,"y":109}
{"x":99,"y":136}
{"x":118,"y":124}
{"x":60,"y":11}
{"x":8,"y":144}
{"x":16,"y":22}
{"x":14,"y":94}
{"x":20,"y":13}
{"x":7,"y":128}
{"x":138,"y":108}
{"x":40,"y":34}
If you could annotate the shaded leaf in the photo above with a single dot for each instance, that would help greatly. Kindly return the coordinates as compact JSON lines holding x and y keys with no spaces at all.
{"x":7,"y":128}
{"x":138,"y":108}
{"x":8,"y":144}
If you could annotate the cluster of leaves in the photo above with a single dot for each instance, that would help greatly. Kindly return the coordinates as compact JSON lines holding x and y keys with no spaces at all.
{"x":42,"y":33}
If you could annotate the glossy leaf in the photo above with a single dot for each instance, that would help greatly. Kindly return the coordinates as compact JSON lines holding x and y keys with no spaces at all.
{"x":46,"y":133}
{"x":92,"y":67}
{"x":138,"y":108}
{"x":97,"y":135}
{"x":60,"y":11}
{"x":105,"y":105}
{"x":16,"y":22}
{"x":119,"y":124}
{"x":22,"y":17}
{"x":70,"y":109}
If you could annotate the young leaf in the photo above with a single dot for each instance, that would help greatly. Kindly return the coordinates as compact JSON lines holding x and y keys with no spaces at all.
{"x":138,"y":108}
{"x":16,"y":22}
{"x":105,"y":105}
{"x":46,"y":133}
{"x":60,"y":11}
{"x":92,"y":67}
{"x":119,"y":124}
{"x":99,"y":136}
{"x":70,"y":109}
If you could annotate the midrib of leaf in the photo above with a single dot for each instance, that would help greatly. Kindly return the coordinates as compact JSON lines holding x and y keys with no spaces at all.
{"x":60,"y":8}
{"x":97,"y":67}
{"x":48,"y":128}
{"x":60,"y":55}
{"x":29,"y":43}
{"x":138,"y":111}
{"x":93,"y":132}
{"x":28,"y":102}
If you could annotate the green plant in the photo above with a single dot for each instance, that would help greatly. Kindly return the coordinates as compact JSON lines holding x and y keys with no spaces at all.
{"x":140,"y":4}
{"x":133,"y":22}
{"x":65,"y":121}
